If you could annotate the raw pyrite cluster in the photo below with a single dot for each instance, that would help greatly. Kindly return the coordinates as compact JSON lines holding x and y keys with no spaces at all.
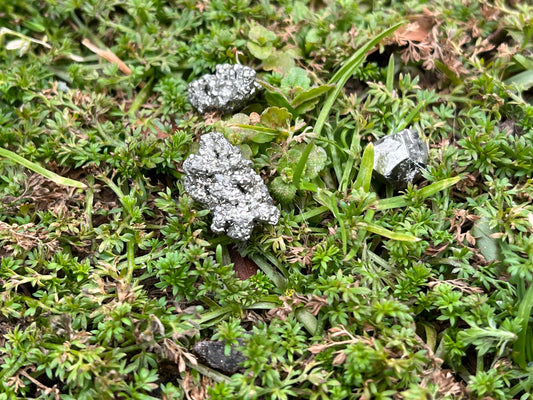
{"x":221,"y":179}
{"x":228,"y":90}
{"x":399,"y":158}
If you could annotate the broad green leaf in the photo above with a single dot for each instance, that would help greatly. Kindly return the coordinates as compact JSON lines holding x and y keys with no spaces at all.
{"x":258,"y":136}
{"x":365,"y":169}
{"x":306,"y":107}
{"x":392,"y":202}
{"x":262,"y":137}
{"x":523,"y":79}
{"x":526,"y":63}
{"x":276,"y":117}
{"x":290,"y":158}
{"x":246,"y":151}
{"x":307,"y":319}
{"x":310,"y":94}
{"x":208,"y":317}
{"x":488,"y":246}
{"x":309,"y":186}
{"x":239,"y":119}
{"x":254,"y":133}
{"x":297,"y":77}
{"x":263,"y":305}
{"x":276,"y":99}
{"x":41,"y":170}
{"x":316,"y":162}
{"x":280,"y":61}
{"x":378,"y":230}
{"x":261,"y":35}
{"x":261,"y":52}
{"x":34,"y":26}
{"x":436,"y":187}
{"x":431,"y":335}
{"x":312,"y":39}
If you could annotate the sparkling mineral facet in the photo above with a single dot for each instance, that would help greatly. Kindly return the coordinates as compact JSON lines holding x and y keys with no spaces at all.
{"x":229,"y":90}
{"x":221,"y":179}
{"x":399,"y":158}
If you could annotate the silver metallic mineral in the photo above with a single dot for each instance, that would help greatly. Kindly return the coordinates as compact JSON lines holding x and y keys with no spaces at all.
{"x":399,"y":158}
{"x":228,"y":90}
{"x":221,"y":179}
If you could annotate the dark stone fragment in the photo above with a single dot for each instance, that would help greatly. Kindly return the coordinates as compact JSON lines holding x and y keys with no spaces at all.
{"x":211,"y":353}
{"x":399,"y":158}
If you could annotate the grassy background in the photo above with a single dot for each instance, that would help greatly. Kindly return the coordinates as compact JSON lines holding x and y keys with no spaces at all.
{"x":360,"y":291}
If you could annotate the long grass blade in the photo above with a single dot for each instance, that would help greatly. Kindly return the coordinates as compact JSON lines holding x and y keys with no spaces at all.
{"x":365,"y":169}
{"x":41,"y":170}
{"x":400,"y":201}
{"x":524,"y":312}
{"x":339,"y":79}
{"x":390,"y":74}
{"x":405,"y":237}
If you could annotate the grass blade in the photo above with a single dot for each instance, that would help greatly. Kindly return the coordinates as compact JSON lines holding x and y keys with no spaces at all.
{"x":523,"y":79}
{"x":347,"y":70}
{"x":269,"y":271}
{"x":400,"y":201}
{"x":310,"y":214}
{"x":524,"y":312}
{"x":308,"y":320}
{"x":41,"y":170}
{"x":365,"y":169}
{"x":141,"y":98}
{"x":404,"y":237}
{"x":390,"y":74}
{"x":339,"y":79}
{"x":411,"y":115}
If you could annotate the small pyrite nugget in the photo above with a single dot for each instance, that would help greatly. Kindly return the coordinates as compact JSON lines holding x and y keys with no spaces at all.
{"x":400,"y":157}
{"x":230,"y":89}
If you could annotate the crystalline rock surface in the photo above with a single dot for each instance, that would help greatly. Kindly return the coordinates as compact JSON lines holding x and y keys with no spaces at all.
{"x":228,"y":90}
{"x":221,"y":179}
{"x":398,"y":158}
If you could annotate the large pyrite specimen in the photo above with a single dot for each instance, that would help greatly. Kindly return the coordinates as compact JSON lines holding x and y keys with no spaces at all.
{"x":399,"y":158}
{"x":228,"y":90}
{"x":221,"y":179}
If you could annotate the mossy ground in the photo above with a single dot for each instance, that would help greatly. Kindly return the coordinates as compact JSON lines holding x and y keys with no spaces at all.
{"x":358,"y":292}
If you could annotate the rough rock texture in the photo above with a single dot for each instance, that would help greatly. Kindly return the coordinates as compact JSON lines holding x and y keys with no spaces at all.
{"x":221,"y":179}
{"x":212,"y":354}
{"x":398,"y":158}
{"x":228,"y":90}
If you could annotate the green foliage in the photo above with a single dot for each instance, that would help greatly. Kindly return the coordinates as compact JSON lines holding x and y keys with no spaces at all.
{"x":109,"y":273}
